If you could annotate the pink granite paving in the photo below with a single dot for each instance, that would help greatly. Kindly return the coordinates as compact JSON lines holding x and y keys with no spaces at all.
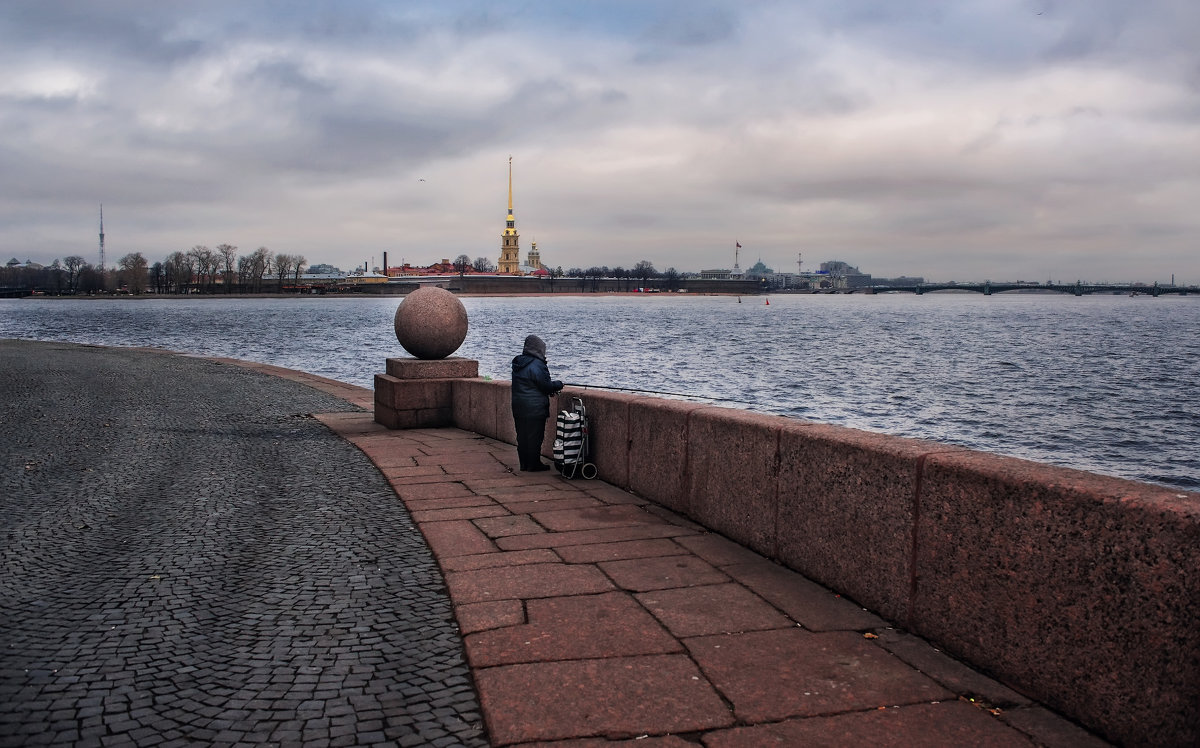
{"x":712,"y":609}
{"x":593,"y":618}
{"x":951,"y":724}
{"x":579,"y":627}
{"x":773,"y":675}
{"x":616,"y":697}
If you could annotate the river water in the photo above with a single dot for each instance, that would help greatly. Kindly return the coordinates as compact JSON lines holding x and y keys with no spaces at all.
{"x":1107,"y":384}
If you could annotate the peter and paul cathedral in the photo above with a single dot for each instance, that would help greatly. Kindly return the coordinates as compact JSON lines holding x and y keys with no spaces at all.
{"x":510,"y":250}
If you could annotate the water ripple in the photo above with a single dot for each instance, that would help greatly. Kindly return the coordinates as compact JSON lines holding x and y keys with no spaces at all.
{"x":1106,"y":383}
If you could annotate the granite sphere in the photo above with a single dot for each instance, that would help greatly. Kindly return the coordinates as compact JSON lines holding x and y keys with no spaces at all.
{"x":431,"y":323}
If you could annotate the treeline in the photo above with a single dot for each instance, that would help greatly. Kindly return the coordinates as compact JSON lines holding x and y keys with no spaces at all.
{"x":198,"y":270}
{"x":643,"y":271}
{"x":222,"y":270}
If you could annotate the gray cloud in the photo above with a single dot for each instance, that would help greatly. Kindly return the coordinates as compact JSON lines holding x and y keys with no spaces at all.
{"x":949,"y":139}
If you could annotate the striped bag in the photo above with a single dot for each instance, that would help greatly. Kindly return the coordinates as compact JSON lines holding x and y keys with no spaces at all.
{"x":568,"y":438}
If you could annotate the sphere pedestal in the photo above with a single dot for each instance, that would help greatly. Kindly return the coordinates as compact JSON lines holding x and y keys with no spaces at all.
{"x":431,"y":323}
{"x":416,"y":394}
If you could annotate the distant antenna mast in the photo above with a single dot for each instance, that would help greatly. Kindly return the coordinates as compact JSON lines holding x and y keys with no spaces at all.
{"x":800,"y":263}
{"x":102,"y":237}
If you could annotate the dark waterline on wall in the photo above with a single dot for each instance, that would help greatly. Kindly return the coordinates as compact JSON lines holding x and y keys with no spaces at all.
{"x":1103,"y":383}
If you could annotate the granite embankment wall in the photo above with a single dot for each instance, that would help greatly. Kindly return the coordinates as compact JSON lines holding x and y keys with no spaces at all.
{"x":1080,"y":590}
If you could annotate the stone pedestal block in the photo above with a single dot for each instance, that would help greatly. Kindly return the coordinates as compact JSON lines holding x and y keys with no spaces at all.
{"x":442,"y":368}
{"x":417,"y":393}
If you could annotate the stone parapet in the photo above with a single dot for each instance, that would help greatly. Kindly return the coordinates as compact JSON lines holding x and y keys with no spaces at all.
{"x":1080,"y":590}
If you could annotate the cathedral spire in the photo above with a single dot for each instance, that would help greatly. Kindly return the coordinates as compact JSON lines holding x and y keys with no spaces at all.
{"x":509,"y":242}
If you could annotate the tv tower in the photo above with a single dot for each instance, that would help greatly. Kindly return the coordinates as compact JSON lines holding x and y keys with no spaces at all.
{"x":101,"y":237}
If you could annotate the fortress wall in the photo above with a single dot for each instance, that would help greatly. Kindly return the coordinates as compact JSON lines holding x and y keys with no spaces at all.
{"x":1080,"y":590}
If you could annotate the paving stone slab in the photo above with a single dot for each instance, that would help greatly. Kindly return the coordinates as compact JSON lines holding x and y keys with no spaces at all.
{"x":588,"y":537}
{"x":502,"y":527}
{"x":502,"y":558}
{"x":950,"y":724}
{"x":456,"y":538}
{"x":431,"y":473}
{"x":1048,"y":729}
{"x":773,"y":675}
{"x":468,"y":513}
{"x":951,"y":673}
{"x":718,"y":550}
{"x":547,"y":502}
{"x":642,"y":741}
{"x":809,"y":603}
{"x":455,"y":502}
{"x":594,"y":518}
{"x":525,"y":582}
{"x":474,"y":617}
{"x":663,"y":572}
{"x":441,"y":490}
{"x":713,"y":609}
{"x":573,"y":628}
{"x":616,"y":551}
{"x":619,"y":697}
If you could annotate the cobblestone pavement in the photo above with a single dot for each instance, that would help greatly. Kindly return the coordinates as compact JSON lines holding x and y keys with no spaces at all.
{"x":187,"y":556}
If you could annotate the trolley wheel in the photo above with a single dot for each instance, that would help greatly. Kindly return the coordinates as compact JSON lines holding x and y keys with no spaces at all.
{"x":589,"y":471}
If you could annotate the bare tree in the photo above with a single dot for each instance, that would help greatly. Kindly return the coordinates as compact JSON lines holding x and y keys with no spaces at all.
{"x":55,"y":278}
{"x":91,"y":279}
{"x":644,"y":270}
{"x":245,"y":273}
{"x":461,"y":263}
{"x":260,"y":265}
{"x":620,"y":274}
{"x":205,"y":265}
{"x":133,"y":272}
{"x":157,"y":274}
{"x":283,"y":266}
{"x":483,"y":265}
{"x":74,"y":264}
{"x":298,"y":265}
{"x":181,"y":270}
{"x":227,"y":255}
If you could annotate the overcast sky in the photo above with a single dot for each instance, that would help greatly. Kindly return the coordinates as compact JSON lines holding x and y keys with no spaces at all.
{"x":965,"y":139}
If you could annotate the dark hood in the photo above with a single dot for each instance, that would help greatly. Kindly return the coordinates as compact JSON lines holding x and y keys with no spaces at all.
{"x":535,"y":346}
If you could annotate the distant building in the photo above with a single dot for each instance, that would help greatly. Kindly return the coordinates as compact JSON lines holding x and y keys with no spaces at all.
{"x":759,"y":271}
{"x":322,"y":269}
{"x":716,"y":274}
{"x":533,"y":261}
{"x":903,"y":280}
{"x":844,"y":275}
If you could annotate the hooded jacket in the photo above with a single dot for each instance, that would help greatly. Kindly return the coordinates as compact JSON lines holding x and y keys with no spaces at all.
{"x":531,"y":383}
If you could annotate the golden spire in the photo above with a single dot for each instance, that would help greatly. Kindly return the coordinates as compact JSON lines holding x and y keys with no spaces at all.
{"x":511,"y":224}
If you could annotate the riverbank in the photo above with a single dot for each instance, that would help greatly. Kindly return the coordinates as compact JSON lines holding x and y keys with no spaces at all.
{"x":377,"y":296}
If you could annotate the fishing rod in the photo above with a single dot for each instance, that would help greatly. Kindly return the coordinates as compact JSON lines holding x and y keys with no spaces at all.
{"x":655,"y":392}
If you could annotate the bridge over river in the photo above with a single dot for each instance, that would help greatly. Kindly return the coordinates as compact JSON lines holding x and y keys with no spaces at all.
{"x":987,"y":288}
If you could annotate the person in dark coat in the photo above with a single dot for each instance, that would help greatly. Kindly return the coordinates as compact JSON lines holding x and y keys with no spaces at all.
{"x":531,"y":390}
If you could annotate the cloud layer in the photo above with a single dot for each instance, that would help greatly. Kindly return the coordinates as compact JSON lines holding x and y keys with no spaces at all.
{"x":964,"y":140}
